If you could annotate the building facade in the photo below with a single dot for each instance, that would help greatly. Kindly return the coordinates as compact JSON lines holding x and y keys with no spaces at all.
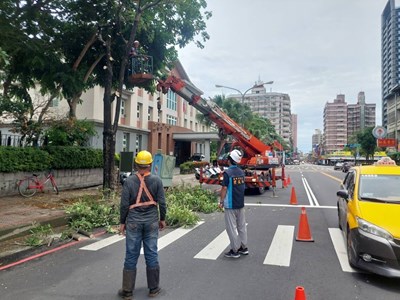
{"x":390,"y":67}
{"x":147,"y":121}
{"x":335,"y":124}
{"x":360,"y":115}
{"x":275,"y":107}
{"x":342,"y":121}
{"x":294,"y":132}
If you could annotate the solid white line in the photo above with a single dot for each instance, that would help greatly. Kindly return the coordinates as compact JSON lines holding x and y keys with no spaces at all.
{"x":288,"y":205}
{"x":305,"y":182}
{"x":171,"y":237}
{"x":280,"y":251}
{"x":307,"y":192}
{"x":213,"y":250}
{"x":340,"y":248}
{"x":103,"y":243}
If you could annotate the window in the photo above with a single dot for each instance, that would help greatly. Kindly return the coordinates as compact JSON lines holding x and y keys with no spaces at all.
{"x":122,"y":111}
{"x":150,"y":114}
{"x":171,"y":120}
{"x":171,"y":100}
{"x":55,"y":102}
{"x":125,"y":142}
{"x":139,"y":110}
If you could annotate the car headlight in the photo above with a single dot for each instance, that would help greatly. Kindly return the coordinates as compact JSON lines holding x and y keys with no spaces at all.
{"x":373,"y":229}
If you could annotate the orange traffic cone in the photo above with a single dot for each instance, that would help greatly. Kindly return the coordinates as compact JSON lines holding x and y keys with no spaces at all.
{"x":293,"y":198}
{"x":300,"y":293}
{"x":304,"y":233}
{"x":288,"y":180}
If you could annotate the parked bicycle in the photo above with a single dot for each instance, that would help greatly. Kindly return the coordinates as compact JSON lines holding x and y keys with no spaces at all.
{"x":28,"y":186}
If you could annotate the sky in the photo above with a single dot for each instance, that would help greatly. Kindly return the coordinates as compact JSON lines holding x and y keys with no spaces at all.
{"x":313,"y":50}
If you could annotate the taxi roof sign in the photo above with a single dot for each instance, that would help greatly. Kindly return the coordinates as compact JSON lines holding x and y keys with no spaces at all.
{"x":385,"y":161}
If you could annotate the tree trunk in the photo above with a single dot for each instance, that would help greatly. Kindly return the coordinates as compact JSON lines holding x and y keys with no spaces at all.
{"x":108,"y":134}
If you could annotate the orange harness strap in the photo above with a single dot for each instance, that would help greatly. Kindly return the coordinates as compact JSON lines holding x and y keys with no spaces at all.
{"x":139,"y":196}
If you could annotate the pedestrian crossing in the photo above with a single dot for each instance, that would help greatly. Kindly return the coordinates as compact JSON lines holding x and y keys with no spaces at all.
{"x":278,"y":254}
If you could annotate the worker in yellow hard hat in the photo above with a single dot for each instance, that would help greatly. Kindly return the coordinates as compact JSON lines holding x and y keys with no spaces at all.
{"x":142,"y":215}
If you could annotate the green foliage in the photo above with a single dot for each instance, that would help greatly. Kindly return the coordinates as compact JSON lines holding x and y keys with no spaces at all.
{"x":25,"y":159}
{"x":39,"y":235}
{"x":70,"y":132}
{"x":89,"y":213}
{"x":29,"y":159}
{"x":260,"y":127}
{"x":367,"y":142}
{"x":75,"y":157}
{"x":184,"y":201}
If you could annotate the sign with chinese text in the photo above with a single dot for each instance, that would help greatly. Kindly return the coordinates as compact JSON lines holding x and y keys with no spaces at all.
{"x":387,"y":142}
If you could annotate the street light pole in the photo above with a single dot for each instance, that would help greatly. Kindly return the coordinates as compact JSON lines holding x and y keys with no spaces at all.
{"x":242,"y":94}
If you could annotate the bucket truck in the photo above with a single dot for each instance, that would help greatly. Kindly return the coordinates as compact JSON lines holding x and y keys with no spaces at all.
{"x":259,"y":161}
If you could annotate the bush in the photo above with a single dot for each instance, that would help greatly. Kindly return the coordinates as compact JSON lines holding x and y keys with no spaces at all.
{"x":26,"y":159}
{"x":75,"y":157}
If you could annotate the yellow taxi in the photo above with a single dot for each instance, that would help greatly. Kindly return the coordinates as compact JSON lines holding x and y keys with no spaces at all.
{"x":369,"y":215}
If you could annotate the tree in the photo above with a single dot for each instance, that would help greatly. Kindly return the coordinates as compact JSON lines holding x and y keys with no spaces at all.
{"x":66,"y":47}
{"x":179,"y":22}
{"x":367,"y":142}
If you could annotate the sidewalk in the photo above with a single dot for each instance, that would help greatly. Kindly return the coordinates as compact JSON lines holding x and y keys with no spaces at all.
{"x":18,"y":214}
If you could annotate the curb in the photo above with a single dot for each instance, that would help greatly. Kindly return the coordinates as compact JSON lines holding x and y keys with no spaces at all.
{"x":22,"y":230}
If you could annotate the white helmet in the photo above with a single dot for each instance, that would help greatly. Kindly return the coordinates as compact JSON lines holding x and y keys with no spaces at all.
{"x":236,"y":155}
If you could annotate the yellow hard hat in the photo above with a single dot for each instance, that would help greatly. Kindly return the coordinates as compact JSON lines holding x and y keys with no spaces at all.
{"x":144,"y":158}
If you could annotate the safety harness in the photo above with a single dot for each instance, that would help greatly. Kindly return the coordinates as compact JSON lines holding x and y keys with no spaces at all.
{"x":142,"y":188}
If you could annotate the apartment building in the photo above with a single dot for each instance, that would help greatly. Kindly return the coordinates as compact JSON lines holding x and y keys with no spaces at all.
{"x":294,"y":132}
{"x":316,"y":139}
{"x":270,"y":105}
{"x":342,"y":120}
{"x":335,"y":124}
{"x":390,"y":67}
{"x":360,"y":115}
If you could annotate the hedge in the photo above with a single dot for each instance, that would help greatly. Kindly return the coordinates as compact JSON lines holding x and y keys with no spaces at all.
{"x":29,"y":159}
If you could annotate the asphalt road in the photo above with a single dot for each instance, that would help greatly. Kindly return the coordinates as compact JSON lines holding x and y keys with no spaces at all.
{"x":192,"y":262}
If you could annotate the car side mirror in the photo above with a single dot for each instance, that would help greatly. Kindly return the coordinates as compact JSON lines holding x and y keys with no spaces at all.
{"x":343,"y":194}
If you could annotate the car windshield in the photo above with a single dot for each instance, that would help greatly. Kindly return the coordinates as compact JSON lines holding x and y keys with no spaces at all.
{"x":384,"y":188}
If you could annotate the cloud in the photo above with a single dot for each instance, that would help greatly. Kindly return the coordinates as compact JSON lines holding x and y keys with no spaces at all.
{"x":312,"y":50}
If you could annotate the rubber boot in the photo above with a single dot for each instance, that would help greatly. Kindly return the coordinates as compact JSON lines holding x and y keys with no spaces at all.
{"x":153,"y":280}
{"x":128,"y":284}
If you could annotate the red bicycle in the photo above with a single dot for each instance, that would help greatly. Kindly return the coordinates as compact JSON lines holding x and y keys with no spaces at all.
{"x":28,"y":186}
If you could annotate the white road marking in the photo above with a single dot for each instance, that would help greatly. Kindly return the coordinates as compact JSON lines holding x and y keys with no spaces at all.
{"x":103,"y":243}
{"x":171,"y":237}
{"x":310,"y":194}
{"x":340,"y":248}
{"x":288,"y":205}
{"x":213,"y":250}
{"x":280,"y":250}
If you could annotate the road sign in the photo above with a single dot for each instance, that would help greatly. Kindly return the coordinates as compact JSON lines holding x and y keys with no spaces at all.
{"x":379,"y":132}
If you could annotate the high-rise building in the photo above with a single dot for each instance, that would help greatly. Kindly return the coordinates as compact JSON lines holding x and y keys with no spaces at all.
{"x":335,"y":124}
{"x":272,"y":106}
{"x":294,"y":132}
{"x":390,"y":67}
{"x":316,"y":138}
{"x":342,"y":120}
{"x":360,"y":115}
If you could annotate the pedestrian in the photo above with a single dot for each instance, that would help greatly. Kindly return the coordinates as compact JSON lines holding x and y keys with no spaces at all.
{"x":232,"y":200}
{"x":142,"y":215}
